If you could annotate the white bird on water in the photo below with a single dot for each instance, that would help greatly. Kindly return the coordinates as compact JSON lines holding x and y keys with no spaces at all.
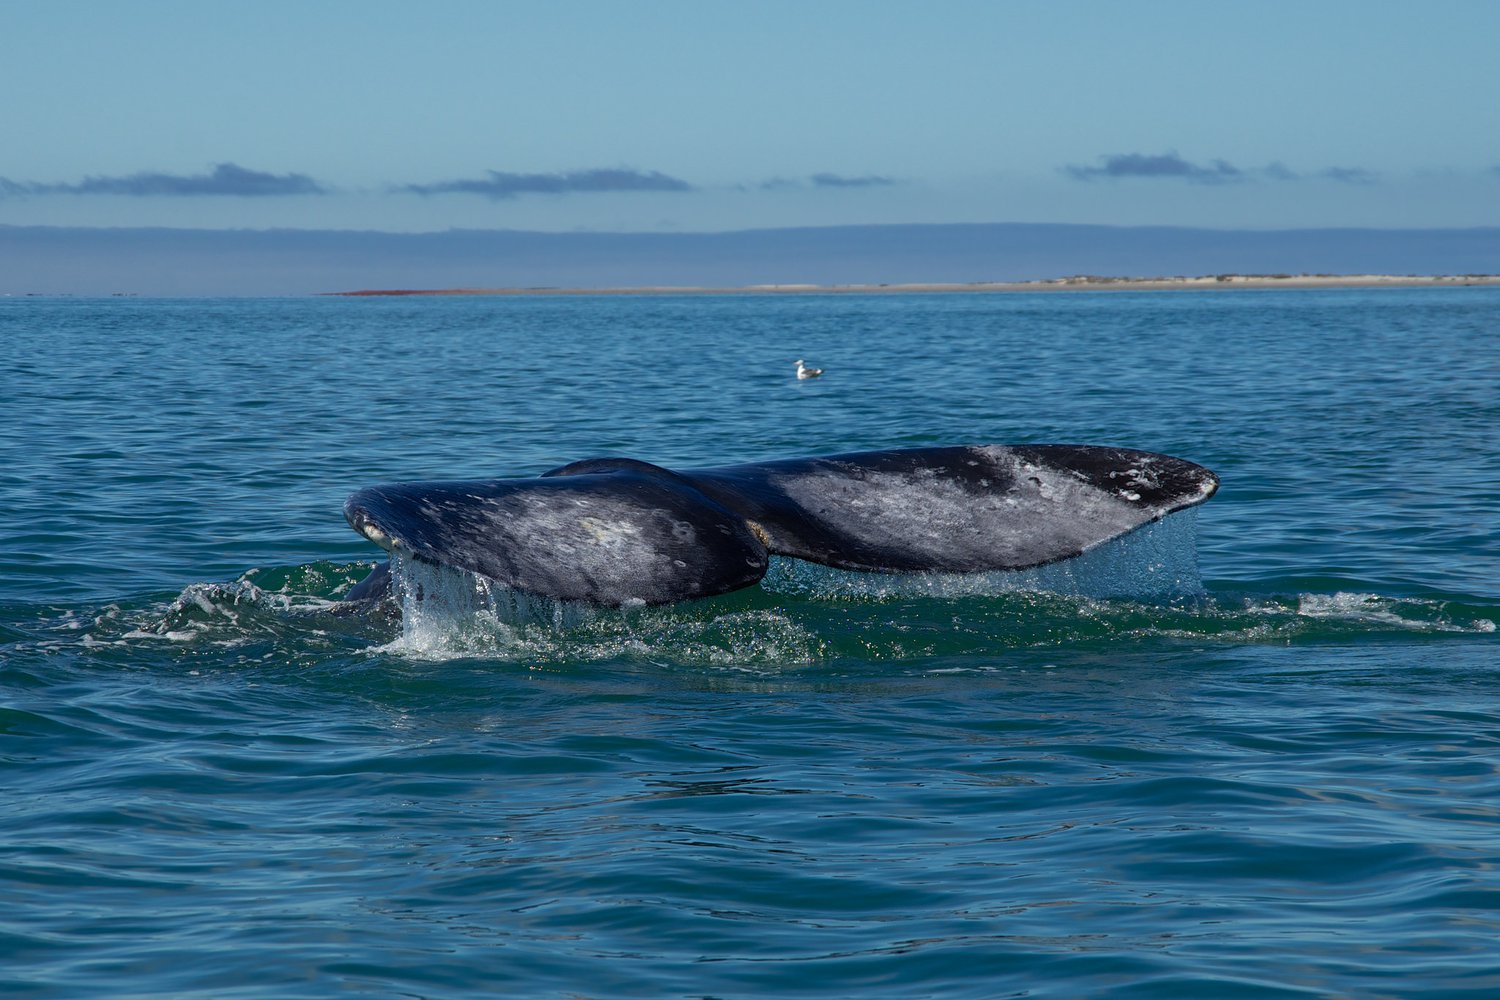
{"x":805,"y":372}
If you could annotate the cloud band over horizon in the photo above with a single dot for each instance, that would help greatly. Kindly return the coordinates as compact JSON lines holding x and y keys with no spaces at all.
{"x":499,"y":185}
{"x":1172,"y":166}
{"x":226,"y":179}
{"x":231,"y":180}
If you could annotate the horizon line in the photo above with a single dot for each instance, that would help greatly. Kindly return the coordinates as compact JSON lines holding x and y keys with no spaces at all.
{"x":742,"y":230}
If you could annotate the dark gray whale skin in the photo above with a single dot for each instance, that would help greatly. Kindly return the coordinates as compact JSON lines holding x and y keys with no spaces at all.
{"x":617,"y":531}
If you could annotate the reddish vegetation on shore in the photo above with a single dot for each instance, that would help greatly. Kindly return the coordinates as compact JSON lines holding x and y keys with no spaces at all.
{"x":1075,"y":283}
{"x":416,"y":291}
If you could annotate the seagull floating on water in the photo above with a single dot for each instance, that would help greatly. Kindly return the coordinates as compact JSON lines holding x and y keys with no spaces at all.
{"x":805,"y":372}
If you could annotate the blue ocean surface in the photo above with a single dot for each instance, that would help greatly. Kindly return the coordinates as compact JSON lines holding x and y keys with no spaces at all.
{"x":216,"y":782}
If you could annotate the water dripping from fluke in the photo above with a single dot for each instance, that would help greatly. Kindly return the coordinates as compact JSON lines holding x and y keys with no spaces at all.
{"x":1154,"y":563}
{"x":448,"y":612}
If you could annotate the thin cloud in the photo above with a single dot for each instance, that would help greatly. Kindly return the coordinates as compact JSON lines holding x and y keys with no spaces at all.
{"x":1348,"y":175}
{"x":1173,"y":167}
{"x":227,"y":179}
{"x":498,"y":185}
{"x":839,"y":181}
{"x":1168,"y":165}
{"x":823,"y":180}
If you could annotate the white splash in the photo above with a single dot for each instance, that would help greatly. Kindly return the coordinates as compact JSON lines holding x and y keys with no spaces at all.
{"x":1412,"y":613}
{"x":450,"y":613}
{"x":441,"y":607}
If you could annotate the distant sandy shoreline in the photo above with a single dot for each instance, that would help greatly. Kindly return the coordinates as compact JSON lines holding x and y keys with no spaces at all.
{"x":1077,"y":283}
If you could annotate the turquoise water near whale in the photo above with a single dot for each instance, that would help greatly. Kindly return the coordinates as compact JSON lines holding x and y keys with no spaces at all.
{"x":213,"y":783}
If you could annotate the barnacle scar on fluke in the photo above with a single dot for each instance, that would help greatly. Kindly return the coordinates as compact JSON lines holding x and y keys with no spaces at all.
{"x":619,"y":532}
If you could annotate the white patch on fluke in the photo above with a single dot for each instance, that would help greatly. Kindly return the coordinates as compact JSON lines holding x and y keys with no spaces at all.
{"x":1045,"y":514}
{"x":610,"y":534}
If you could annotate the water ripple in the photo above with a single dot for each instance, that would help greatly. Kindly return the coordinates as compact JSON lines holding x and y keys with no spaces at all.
{"x":215,"y":781}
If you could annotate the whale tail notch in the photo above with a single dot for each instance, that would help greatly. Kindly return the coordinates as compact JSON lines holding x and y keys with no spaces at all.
{"x":620,"y":532}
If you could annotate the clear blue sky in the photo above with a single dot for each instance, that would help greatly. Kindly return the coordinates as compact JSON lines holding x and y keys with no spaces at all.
{"x":709,"y":115}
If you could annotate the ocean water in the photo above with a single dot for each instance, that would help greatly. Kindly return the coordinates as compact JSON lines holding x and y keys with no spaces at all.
{"x":1283,"y":783}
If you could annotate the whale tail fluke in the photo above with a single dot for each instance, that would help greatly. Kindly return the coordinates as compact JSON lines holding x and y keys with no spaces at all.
{"x":620,"y":532}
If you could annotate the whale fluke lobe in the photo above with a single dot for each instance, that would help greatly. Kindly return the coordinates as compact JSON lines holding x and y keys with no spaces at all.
{"x":955,"y":510}
{"x":622,"y":532}
{"x":611,"y":538}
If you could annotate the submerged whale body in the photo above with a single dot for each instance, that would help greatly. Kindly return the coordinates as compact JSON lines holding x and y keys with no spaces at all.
{"x":620,"y":532}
